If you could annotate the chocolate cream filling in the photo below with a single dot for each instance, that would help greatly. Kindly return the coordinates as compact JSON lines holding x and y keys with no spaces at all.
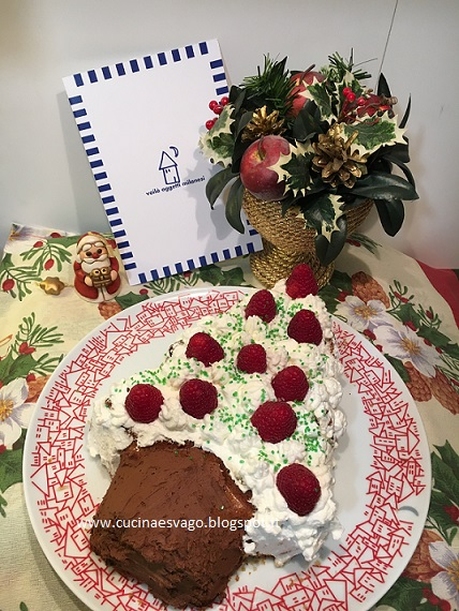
{"x":176,"y":523}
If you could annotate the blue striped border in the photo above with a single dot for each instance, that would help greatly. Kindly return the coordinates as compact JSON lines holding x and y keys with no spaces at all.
{"x":148,"y":62}
{"x":198,"y":261}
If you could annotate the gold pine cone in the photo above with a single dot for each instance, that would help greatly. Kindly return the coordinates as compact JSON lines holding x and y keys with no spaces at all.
{"x":262,"y":124}
{"x":335,"y":161}
{"x":421,"y":566}
{"x":444,"y":392}
{"x":109,"y":308}
{"x":365,"y":287}
{"x":418,"y":384}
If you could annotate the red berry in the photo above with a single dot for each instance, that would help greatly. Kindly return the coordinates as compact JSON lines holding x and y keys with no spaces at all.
{"x":305,"y":328}
{"x":251,"y":359}
{"x":8,"y":284}
{"x":224,"y":101}
{"x":262,"y":304}
{"x":218,"y":109}
{"x":210,"y":123}
{"x":301,"y":282}
{"x":38,"y":244}
{"x":198,"y":398}
{"x":204,"y":348}
{"x":213,"y":104}
{"x":274,"y":421}
{"x":299,"y":487}
{"x":49,"y":264}
{"x":144,"y":402}
{"x":290,"y":384}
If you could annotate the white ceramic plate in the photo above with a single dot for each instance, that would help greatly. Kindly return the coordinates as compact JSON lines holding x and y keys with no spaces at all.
{"x":383,"y":470}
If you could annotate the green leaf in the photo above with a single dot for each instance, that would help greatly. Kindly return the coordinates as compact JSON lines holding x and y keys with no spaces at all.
{"x":342,"y":281}
{"x":306,"y":123}
{"x":233,"y":206}
{"x":438,"y":515}
{"x":438,"y":339}
{"x":445,"y":479}
{"x":298,"y":168}
{"x":371,"y":135}
{"x":328,"y":249}
{"x":406,"y":115}
{"x":449,"y":456}
{"x":404,"y":594}
{"x":322,"y":98}
{"x":399,"y":367}
{"x":383,"y":86}
{"x":217,"y":183}
{"x":391,"y":214}
{"x":125,"y":301}
{"x":384,"y":186}
{"x":216,"y":276}
{"x":10,"y":468}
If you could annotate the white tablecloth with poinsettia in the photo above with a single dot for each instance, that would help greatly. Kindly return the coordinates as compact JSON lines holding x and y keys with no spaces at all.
{"x":407,"y":310}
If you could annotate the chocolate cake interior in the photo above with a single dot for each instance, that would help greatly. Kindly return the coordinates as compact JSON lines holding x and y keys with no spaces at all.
{"x":176,"y":522}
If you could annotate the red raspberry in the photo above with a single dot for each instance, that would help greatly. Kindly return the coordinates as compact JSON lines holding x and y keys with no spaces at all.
{"x":274,"y":421}
{"x":198,"y":398}
{"x":305,"y":328}
{"x":290,"y":384}
{"x":299,"y":487}
{"x":143,"y":402}
{"x":204,"y":348}
{"x":301,"y":282}
{"x":262,"y":304}
{"x":251,"y":359}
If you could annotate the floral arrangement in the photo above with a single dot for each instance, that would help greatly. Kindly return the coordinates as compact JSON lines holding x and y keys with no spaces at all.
{"x":318,"y":140}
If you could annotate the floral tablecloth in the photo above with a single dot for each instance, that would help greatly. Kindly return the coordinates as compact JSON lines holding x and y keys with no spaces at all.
{"x":408,"y":311}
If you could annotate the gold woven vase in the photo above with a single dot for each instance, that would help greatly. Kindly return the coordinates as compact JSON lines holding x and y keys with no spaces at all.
{"x":286,"y":240}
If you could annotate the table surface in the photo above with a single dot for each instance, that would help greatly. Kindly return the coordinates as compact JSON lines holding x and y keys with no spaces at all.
{"x":42,"y":318}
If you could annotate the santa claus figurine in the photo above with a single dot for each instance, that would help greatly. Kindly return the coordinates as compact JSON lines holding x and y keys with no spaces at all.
{"x":96,"y":269}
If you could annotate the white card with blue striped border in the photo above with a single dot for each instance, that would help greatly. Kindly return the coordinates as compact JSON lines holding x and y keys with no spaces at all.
{"x":140,"y":121}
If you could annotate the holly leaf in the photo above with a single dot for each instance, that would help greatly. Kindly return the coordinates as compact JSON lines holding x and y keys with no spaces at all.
{"x":434,"y":336}
{"x":404,"y":594}
{"x":438,"y":515}
{"x":306,"y":123}
{"x":125,"y":301}
{"x":445,"y":478}
{"x":323,"y":99}
{"x":372,"y":135}
{"x":219,"y":277}
{"x":10,"y":468}
{"x":298,"y":175}
{"x":449,"y":456}
{"x":399,"y":367}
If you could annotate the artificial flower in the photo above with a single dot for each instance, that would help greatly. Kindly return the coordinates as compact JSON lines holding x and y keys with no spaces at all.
{"x":14,"y":411}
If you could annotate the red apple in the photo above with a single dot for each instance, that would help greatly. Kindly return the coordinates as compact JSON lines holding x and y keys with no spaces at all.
{"x":302,"y":80}
{"x":256,"y":175}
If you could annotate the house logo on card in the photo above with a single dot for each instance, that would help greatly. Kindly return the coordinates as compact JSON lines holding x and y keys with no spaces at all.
{"x":169,"y":170}
{"x":169,"y":167}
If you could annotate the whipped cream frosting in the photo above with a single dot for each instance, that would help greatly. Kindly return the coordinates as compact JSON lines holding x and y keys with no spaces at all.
{"x":228,"y":433}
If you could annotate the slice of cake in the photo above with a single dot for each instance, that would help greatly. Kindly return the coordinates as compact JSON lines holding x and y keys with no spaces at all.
{"x":259,"y":388}
{"x":152,"y":536}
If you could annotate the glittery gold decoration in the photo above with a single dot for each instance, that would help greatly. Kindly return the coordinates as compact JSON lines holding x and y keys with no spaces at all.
{"x":335,"y":160}
{"x":52,"y":285}
{"x":262,"y":124}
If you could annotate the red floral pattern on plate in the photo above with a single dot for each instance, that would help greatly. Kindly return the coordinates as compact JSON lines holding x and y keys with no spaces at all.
{"x":350,"y":577}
